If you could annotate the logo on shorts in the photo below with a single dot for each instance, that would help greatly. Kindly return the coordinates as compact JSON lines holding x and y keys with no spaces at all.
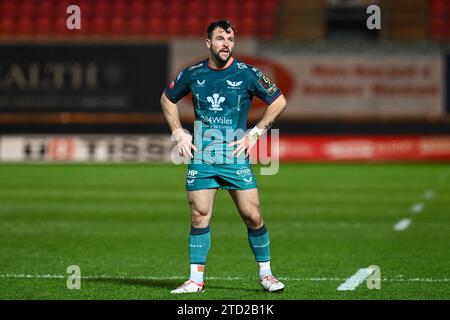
{"x":190,"y":179}
{"x":192,"y":173}
{"x":245,"y":174}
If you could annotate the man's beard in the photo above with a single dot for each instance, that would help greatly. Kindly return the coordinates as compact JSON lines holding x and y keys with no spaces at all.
{"x":219,"y":59}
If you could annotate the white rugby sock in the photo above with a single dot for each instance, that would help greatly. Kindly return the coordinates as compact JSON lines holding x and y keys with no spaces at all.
{"x":197,"y":271}
{"x":264,"y":269}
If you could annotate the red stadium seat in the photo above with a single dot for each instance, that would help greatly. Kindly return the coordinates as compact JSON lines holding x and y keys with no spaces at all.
{"x":173,"y":26}
{"x":119,"y":8}
{"x":156,"y":9}
{"x":26,"y":9}
{"x":43,"y":26}
{"x":193,"y":27}
{"x":45,"y":9}
{"x":138,"y":9}
{"x":136,"y":26}
{"x":438,"y":7}
{"x":60,"y":28}
{"x":155,"y":27}
{"x":195,"y":9}
{"x":8,"y":8}
{"x":24,"y":26}
{"x":101,"y":8}
{"x":176,"y":9}
{"x":268,"y":8}
{"x":116,"y":26}
{"x":98,"y":26}
{"x":231,"y":9}
{"x":213,"y":11}
{"x":6,"y":26}
{"x":246,"y":27}
{"x":249,"y":9}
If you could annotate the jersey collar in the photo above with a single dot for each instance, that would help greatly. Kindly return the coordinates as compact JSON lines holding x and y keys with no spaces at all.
{"x":216,"y":69}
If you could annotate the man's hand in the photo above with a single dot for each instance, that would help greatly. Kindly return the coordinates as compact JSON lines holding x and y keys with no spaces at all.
{"x":246,"y":143}
{"x":184,"y":143}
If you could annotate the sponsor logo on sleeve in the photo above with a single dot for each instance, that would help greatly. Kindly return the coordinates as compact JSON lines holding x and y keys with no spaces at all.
{"x":195,"y":66}
{"x":257,"y":71}
{"x":267,"y":85}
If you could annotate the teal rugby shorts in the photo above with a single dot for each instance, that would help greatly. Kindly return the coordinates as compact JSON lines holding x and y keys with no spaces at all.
{"x":223,"y":176}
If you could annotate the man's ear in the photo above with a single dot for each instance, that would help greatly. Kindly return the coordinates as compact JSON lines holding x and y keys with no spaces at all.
{"x":208,"y":43}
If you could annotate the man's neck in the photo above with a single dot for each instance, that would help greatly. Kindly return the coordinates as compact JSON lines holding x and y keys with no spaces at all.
{"x":213,"y":63}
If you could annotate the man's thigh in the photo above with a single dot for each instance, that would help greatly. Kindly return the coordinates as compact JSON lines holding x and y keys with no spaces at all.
{"x":247,"y":201}
{"x":202,"y":201}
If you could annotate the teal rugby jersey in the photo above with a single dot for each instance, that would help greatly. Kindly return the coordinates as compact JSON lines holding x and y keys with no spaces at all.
{"x":221,"y":99}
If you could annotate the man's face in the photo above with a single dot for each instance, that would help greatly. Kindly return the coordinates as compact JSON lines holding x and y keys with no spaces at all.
{"x":221,"y":44}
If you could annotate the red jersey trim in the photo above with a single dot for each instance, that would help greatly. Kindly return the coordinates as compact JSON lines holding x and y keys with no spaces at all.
{"x":222,"y":69}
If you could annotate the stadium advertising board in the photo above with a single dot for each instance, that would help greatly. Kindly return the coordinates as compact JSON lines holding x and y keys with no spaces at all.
{"x":364,"y":148}
{"x":158,"y":148}
{"x":82,"y":78}
{"x":377,"y":86}
{"x":86,"y":148}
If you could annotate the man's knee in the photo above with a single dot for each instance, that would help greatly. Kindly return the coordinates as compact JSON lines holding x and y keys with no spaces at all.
{"x":200,"y":217}
{"x":252,"y":217}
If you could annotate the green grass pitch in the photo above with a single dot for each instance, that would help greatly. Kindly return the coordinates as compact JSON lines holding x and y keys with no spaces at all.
{"x":126,"y":226}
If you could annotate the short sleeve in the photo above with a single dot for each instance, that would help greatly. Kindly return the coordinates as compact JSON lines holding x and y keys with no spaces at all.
{"x":263,"y":87}
{"x":179,"y":87}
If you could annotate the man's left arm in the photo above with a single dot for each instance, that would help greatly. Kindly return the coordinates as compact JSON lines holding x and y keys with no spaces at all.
{"x":271,"y":113}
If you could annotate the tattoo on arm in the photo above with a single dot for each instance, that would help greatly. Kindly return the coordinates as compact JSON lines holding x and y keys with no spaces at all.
{"x":268,"y":125}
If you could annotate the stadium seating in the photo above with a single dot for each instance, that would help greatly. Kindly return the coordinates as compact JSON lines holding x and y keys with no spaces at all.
{"x":144,"y":18}
{"x":440,"y":19}
{"x":289,"y":19}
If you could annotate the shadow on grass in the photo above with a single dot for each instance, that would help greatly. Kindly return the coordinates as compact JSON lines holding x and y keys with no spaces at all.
{"x":166,"y":284}
{"x":231,"y":288}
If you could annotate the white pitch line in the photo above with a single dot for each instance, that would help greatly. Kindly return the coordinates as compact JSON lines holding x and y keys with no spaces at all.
{"x":417,"y":208}
{"x":130,"y":277}
{"x":356,"y":279}
{"x":429,"y":194}
{"x":402,"y":224}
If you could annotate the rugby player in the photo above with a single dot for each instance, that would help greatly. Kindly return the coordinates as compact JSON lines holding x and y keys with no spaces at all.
{"x":222,"y":89}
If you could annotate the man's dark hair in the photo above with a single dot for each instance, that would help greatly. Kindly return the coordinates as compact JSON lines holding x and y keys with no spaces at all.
{"x":223,"y":24}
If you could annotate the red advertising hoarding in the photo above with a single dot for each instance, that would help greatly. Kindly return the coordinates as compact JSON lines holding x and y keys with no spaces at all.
{"x":364,"y":148}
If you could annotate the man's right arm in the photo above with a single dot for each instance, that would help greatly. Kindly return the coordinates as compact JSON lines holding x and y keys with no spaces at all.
{"x":170,"y":110}
{"x":183,"y":138}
